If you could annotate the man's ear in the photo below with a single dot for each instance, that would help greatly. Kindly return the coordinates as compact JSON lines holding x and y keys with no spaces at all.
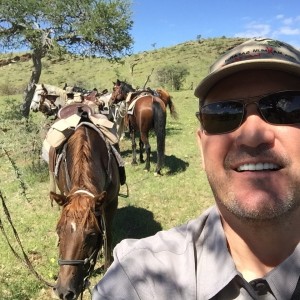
{"x":199,"y":142}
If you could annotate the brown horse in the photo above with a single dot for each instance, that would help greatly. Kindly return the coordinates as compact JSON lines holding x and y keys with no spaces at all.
{"x":149,"y":112}
{"x":167,"y":99}
{"x":88,"y":178}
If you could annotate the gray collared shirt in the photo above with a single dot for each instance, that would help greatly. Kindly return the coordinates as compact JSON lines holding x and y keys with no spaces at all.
{"x":190,"y":262}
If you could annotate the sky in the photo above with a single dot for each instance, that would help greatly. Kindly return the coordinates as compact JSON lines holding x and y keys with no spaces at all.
{"x":165,"y":23}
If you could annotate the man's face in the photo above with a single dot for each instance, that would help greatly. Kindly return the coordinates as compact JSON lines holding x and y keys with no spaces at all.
{"x":273,"y":190}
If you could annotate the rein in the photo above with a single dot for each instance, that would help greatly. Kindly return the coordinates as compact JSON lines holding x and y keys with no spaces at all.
{"x":27,"y":262}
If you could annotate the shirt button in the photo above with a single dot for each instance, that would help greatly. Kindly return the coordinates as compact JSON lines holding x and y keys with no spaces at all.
{"x":260,"y":286}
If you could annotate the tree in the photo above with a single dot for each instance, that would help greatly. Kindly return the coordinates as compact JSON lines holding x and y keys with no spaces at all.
{"x":173,"y":76}
{"x":98,"y":27}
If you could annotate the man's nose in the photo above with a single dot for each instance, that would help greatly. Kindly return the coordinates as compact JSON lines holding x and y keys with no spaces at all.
{"x":254,"y":130}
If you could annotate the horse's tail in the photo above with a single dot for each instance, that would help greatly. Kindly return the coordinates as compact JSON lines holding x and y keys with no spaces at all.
{"x":172,"y":108}
{"x":159,"y":117}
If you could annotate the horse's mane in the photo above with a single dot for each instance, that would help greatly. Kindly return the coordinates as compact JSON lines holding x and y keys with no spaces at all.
{"x":52,"y":89}
{"x":80,"y":151}
{"x":80,"y":207}
{"x":128,"y":87}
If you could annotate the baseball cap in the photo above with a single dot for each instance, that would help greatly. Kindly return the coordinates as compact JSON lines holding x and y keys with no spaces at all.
{"x":256,"y":53}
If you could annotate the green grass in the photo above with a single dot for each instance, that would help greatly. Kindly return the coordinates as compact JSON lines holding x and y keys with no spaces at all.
{"x":154,"y":203}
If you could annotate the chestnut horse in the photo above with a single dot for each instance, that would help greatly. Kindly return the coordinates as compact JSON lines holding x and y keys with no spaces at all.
{"x":149,"y":112}
{"x":89,"y":182}
{"x":167,"y":99}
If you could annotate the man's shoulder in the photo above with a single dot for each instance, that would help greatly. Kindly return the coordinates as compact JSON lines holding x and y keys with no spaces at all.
{"x":174,"y":240}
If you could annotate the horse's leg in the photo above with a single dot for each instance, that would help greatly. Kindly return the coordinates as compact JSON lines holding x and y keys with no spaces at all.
{"x":145,"y":142}
{"x":133,"y":145}
{"x":141,"y":144}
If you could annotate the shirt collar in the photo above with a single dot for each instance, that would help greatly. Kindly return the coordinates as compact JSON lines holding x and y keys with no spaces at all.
{"x":215,"y":267}
{"x":283,"y":279}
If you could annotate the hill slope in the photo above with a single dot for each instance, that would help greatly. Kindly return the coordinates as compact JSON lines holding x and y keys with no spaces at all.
{"x":99,"y":73}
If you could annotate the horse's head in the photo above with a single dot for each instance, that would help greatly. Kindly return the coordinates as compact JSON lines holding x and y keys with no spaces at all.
{"x":47,"y":105}
{"x":81,"y":234}
{"x":120,"y":91}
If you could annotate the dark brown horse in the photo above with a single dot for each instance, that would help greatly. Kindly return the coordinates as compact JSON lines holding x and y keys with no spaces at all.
{"x":149,"y":112}
{"x":88,"y":178}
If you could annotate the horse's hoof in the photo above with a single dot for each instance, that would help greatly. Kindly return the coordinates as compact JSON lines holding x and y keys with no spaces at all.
{"x":134,"y":163}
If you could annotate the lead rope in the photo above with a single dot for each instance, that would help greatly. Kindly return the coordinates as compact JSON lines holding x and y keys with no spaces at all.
{"x":27,"y":262}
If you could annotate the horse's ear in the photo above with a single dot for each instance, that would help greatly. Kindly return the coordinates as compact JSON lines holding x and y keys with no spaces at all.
{"x":44,"y":88}
{"x":64,"y":88}
{"x":118,"y":82}
{"x":59,"y":199}
{"x":99,"y":200}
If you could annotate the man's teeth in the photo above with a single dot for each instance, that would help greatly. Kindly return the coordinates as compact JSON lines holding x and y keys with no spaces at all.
{"x":257,"y":167}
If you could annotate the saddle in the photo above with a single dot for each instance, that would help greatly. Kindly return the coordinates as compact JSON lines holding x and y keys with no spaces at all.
{"x":61,"y":131}
{"x":133,"y":97}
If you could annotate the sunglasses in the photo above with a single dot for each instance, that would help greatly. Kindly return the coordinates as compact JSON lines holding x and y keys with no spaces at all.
{"x":281,"y":108}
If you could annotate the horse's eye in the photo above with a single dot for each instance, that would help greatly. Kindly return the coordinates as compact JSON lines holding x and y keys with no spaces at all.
{"x":91,"y":236}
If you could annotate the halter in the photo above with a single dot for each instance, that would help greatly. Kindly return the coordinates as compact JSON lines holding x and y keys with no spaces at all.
{"x":52,"y":108}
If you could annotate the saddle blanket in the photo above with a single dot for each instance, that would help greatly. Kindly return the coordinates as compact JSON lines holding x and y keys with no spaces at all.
{"x":61,"y":130}
{"x":132,"y":104}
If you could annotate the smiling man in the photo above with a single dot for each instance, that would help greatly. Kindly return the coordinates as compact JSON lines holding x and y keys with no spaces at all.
{"x":247,"y":246}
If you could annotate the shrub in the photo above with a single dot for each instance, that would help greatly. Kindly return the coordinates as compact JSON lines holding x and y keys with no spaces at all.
{"x":172,"y":76}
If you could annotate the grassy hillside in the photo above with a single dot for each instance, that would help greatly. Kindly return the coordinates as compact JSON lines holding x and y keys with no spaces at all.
{"x":154,"y":203}
{"x":97,"y":72}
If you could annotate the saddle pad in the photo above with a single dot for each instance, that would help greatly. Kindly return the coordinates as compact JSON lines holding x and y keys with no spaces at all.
{"x":61,"y":130}
{"x":132,"y":104}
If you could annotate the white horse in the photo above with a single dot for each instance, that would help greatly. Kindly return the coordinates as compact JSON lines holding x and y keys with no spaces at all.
{"x":57,"y":97}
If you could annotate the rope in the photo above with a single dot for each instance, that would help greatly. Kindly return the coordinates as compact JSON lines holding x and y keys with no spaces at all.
{"x":27,"y":262}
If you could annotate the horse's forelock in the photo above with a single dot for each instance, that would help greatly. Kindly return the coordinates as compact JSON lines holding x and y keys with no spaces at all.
{"x":80,"y":209}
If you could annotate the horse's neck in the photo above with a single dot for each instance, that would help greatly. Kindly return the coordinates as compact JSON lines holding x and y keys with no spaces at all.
{"x":128,"y":89}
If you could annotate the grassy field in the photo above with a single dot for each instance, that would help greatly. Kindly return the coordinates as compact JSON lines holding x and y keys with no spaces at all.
{"x":154,"y":203}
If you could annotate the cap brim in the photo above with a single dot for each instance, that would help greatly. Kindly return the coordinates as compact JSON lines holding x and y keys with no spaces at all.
{"x":271,"y":64}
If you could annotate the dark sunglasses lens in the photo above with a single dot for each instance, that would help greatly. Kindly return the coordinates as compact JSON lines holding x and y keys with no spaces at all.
{"x":221,"y":117}
{"x":281,"y":108}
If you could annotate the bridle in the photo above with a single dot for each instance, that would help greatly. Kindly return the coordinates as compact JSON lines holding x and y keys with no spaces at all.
{"x":118,"y":94}
{"x":51,"y":107}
